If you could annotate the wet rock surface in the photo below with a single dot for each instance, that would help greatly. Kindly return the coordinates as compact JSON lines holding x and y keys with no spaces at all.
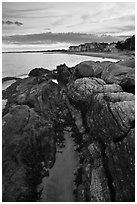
{"x":90,"y":112}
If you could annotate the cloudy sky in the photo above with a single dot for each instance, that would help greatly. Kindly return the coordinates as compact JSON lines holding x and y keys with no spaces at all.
{"x":53,"y":25}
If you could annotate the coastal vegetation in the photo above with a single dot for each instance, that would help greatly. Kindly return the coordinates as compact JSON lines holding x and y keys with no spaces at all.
{"x":128,"y":44}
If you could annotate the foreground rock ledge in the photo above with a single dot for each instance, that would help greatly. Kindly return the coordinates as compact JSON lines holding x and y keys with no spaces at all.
{"x":97,"y":100}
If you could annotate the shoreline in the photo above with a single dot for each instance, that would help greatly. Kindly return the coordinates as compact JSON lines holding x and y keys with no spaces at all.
{"x":119,"y":56}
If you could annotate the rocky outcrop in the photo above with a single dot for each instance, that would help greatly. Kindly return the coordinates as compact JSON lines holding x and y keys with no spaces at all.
{"x":63,"y":74}
{"x":33,"y":122}
{"x":36,"y":72}
{"x":120,"y":159}
{"x":8,"y":79}
{"x":90,"y":69}
{"x":28,"y":139}
{"x":99,"y":190}
{"x":122,"y":75}
{"x":108,"y":119}
{"x":37,"y":93}
{"x":82,"y":89}
{"x":122,"y":72}
{"x":97,"y":101}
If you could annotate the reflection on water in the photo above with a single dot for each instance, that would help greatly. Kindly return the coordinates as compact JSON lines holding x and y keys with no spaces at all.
{"x":58,"y":187}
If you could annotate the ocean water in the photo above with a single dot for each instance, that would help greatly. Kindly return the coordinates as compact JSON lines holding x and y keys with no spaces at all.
{"x":19,"y":64}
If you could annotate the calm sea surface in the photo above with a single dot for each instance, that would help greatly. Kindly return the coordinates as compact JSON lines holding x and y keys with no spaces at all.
{"x":19,"y":64}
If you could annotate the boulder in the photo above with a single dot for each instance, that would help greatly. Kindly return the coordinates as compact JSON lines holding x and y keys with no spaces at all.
{"x":90,"y":68}
{"x":36,"y":72}
{"x":122,"y":75}
{"x":109,"y":119}
{"x":84,"y":70}
{"x":63,"y":74}
{"x":36,"y":95}
{"x":128,"y":83}
{"x":82,"y":89}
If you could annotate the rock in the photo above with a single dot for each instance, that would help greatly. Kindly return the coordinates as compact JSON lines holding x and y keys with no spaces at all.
{"x":80,"y":195}
{"x":90,"y":69}
{"x":110,"y":158}
{"x":128,"y":84}
{"x":108,"y":116}
{"x":122,"y":75}
{"x":113,"y":88}
{"x":128,"y":62}
{"x":36,"y":95}
{"x":36,"y":72}
{"x":99,"y":189}
{"x":77,"y":116}
{"x":108,"y":119}
{"x":121,"y":166}
{"x":101,"y":117}
{"x":86,"y":138}
{"x":118,"y":96}
{"x":27,"y":141}
{"x":63,"y":74}
{"x":124,"y":113}
{"x":9,"y":78}
{"x":31,"y":125}
{"x":22,"y":98}
{"x":84,"y":70}
{"x":82,"y":89}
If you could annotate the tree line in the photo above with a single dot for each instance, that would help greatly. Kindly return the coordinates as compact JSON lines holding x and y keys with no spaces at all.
{"x":128,"y":44}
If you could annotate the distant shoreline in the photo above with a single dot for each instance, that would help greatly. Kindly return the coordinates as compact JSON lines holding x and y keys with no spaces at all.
{"x":38,"y":51}
{"x":120,"y":55}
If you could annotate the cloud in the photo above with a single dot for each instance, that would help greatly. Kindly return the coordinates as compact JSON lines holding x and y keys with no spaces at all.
{"x":12,"y":23}
{"x":47,"y":29}
{"x":53,"y":38}
{"x":18,"y":23}
{"x":83,"y":17}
